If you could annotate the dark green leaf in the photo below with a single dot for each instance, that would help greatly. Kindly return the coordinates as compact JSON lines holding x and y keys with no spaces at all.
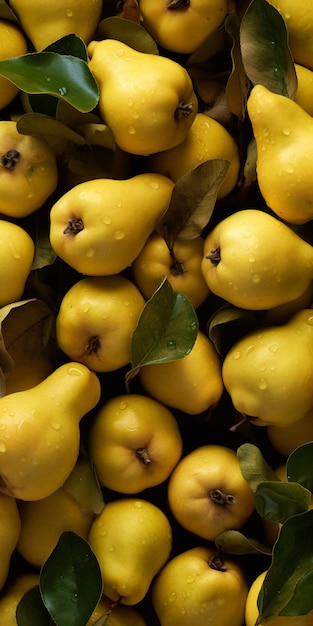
{"x":253,"y":466}
{"x":192,"y":202}
{"x":276,"y":500}
{"x":128,"y":32}
{"x":235,"y":542}
{"x":31,"y":610}
{"x":69,"y":45}
{"x":38,"y":124}
{"x":238,"y":84}
{"x":299,"y":465}
{"x":41,"y":103}
{"x":63,"y":76}
{"x":228,"y":324}
{"x":265,"y":52}
{"x":166,"y":331}
{"x":70,"y":581}
{"x":282,"y":592}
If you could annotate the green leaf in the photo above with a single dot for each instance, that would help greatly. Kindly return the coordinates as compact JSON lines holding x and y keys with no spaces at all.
{"x":285,"y":587}
{"x":192,"y":201}
{"x":70,"y":581}
{"x":69,"y":45}
{"x":128,"y":32}
{"x":299,"y":465}
{"x":228,"y":324}
{"x":238,"y":84}
{"x":253,"y":466}
{"x":31,"y":611}
{"x":166,"y":331}
{"x":265,"y":52}
{"x":83,"y":484}
{"x":235,"y":542}
{"x":276,"y":500}
{"x":63,"y":76}
{"x":39,"y":124}
{"x":97,"y":135}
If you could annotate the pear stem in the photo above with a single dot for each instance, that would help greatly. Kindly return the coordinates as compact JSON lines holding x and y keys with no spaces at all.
{"x":10,"y":159}
{"x":178,"y":4}
{"x":111,"y":609}
{"x":177,"y":268}
{"x":215,"y":256}
{"x":219,"y":497}
{"x":143,"y":456}
{"x":93,"y":345}
{"x":183,"y":110}
{"x":235,"y":427}
{"x":217,"y":563}
{"x":75,"y":225}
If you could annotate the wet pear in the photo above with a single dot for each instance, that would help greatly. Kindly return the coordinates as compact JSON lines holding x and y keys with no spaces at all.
{"x":147,"y":100}
{"x":100,"y":226}
{"x":40,"y":438}
{"x":283,"y":131}
{"x":255,"y":261}
{"x":269,"y":372}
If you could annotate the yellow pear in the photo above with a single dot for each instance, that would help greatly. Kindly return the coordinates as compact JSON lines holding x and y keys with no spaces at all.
{"x":13,"y":593}
{"x":207,"y":492}
{"x":299,"y":23}
{"x":252,"y":612}
{"x":132,"y":540}
{"x":16,"y":258}
{"x":286,"y":440}
{"x":44,"y":21}
{"x":269,"y":372}
{"x":118,"y":615}
{"x":99,"y":227}
{"x":304,"y":94}
{"x":13,"y":43}
{"x":206,"y":139}
{"x":43,"y":521}
{"x":147,"y":100}
{"x":198,"y":587}
{"x":10,"y":526}
{"x":40,"y":437}
{"x":134,"y":443}
{"x":192,"y":384}
{"x":255,"y":261}
{"x":95,"y":321}
{"x":182,"y":25}
{"x":182,"y":269}
{"x":28,"y":171}
{"x":283,"y":132}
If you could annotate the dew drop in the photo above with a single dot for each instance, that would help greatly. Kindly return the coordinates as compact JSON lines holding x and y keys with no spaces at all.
{"x":262,"y":383}
{"x":48,"y":79}
{"x":310,"y":320}
{"x":107,"y":220}
{"x":290,"y":169}
{"x":90,"y":253}
{"x":55,"y":425}
{"x":123,"y":405}
{"x":74,"y":598}
{"x":237,"y":355}
{"x":172,"y":597}
{"x":135,"y":115}
{"x":111,"y":548}
{"x":69,"y":13}
{"x":119,"y":234}
{"x":154,"y":185}
{"x":273,"y":347}
{"x":138,"y":504}
{"x":131,"y":130}
{"x":286,"y":130}
{"x":256,"y":278}
{"x":15,"y":253}
{"x":171,"y":344}
{"x":62,"y":91}
{"x":3,"y":446}
{"x":74,"y":371}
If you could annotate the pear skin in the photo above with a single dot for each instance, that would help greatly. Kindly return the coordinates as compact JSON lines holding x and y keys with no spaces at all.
{"x":197,"y":588}
{"x":40,"y":435}
{"x":13,"y":593}
{"x":255,"y":261}
{"x":147,"y":100}
{"x":192,"y":384}
{"x":16,"y":258}
{"x":283,"y":132}
{"x":10,"y":527}
{"x":100,"y":226}
{"x":44,"y":22}
{"x":269,"y":373}
{"x":132,"y":540}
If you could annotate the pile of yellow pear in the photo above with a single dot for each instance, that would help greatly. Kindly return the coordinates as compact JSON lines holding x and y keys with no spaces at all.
{"x":79,"y":451}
